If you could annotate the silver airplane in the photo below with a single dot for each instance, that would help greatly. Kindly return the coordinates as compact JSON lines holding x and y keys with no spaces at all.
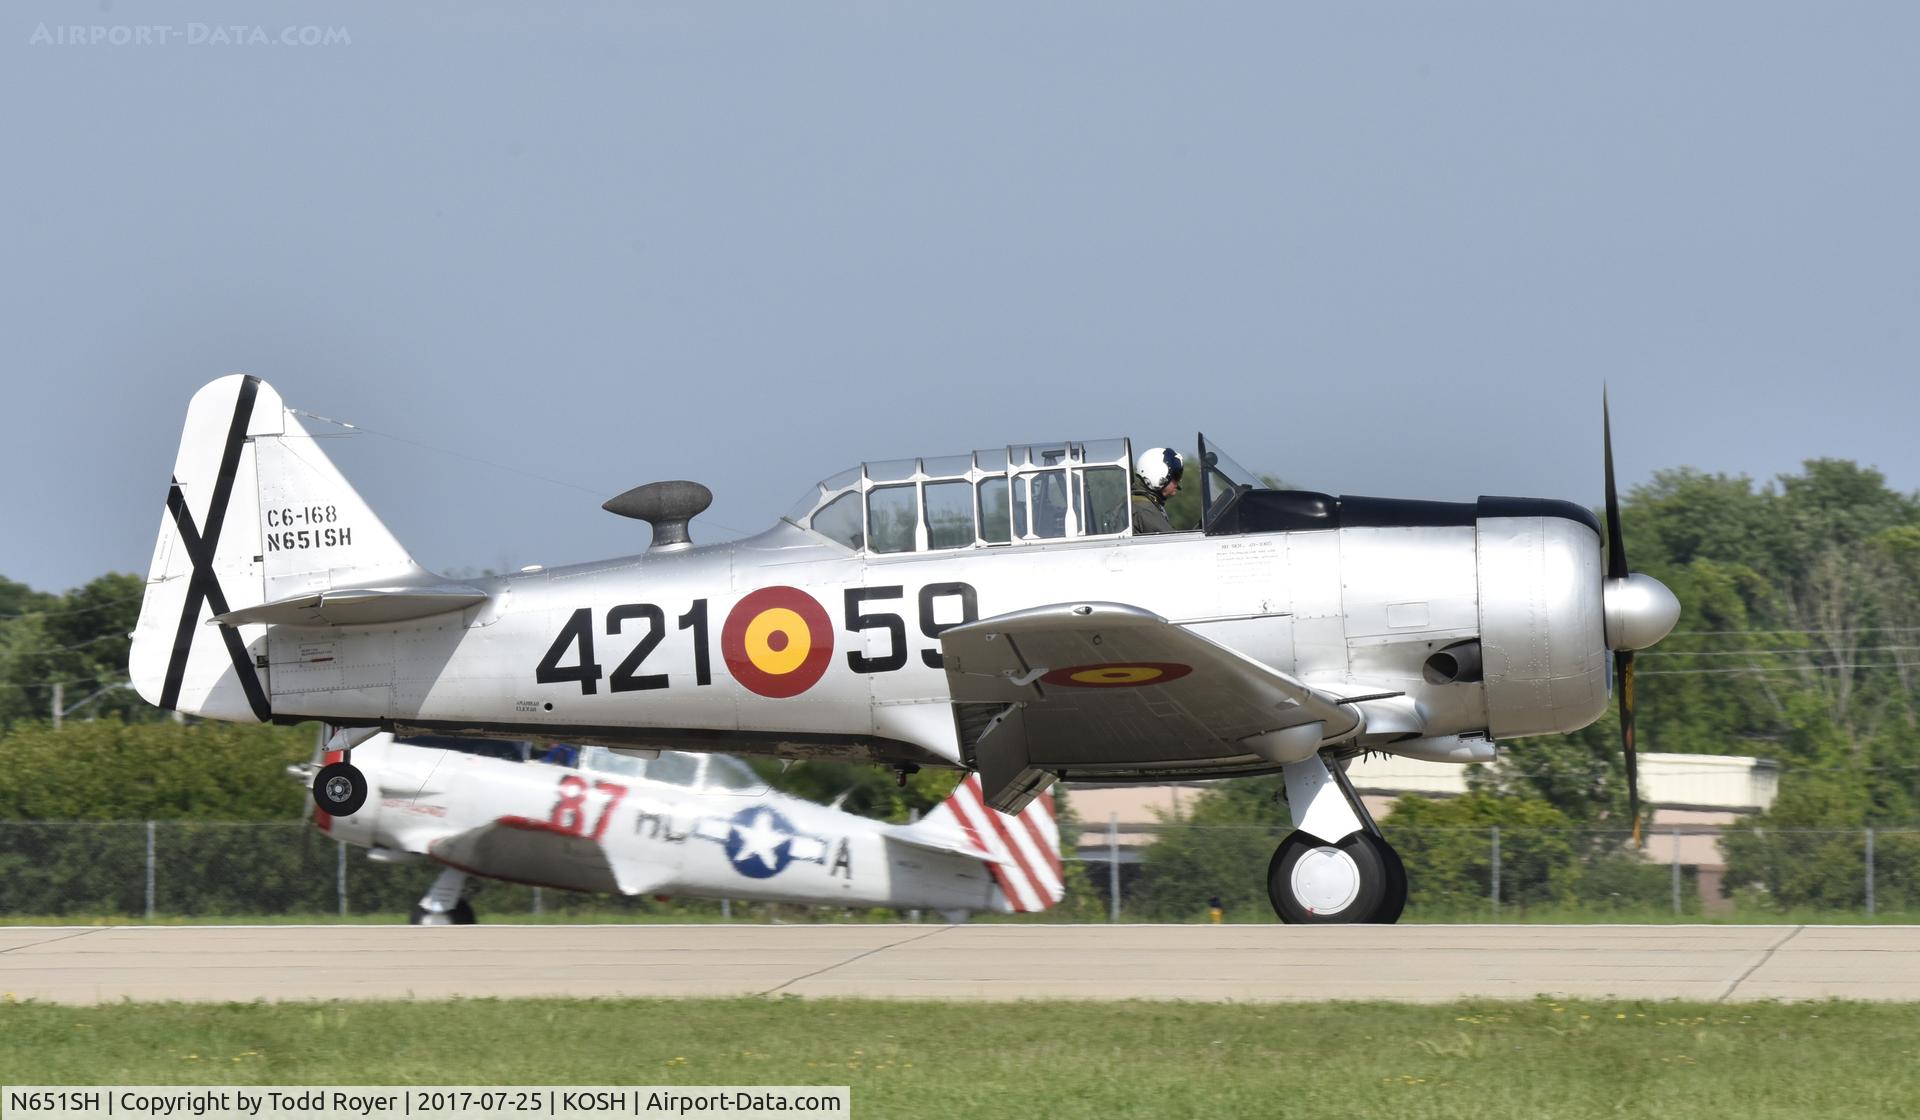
{"x":586,"y":818}
{"x":991,"y":610}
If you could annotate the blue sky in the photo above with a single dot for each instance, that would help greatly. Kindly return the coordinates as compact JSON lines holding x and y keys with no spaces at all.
{"x":1374,"y":248}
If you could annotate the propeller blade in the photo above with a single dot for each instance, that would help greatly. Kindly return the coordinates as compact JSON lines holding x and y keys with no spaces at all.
{"x":1616,"y":545}
{"x":1623,"y":680}
{"x":1622,"y":659}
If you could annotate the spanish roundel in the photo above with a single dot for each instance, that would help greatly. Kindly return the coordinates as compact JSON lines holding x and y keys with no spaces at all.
{"x":1117,"y":674}
{"x":777,"y":641}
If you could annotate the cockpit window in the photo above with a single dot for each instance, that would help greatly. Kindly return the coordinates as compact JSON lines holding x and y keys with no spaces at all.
{"x":1222,"y":480}
{"x":997,"y":496}
{"x":608,"y":762}
{"x":1046,"y":502}
{"x":839,"y":521}
{"x":996,"y":524}
{"x":728,"y":773}
{"x":892,"y":512}
{"x":949,"y":514}
{"x":674,"y":768}
{"x":1104,"y":497}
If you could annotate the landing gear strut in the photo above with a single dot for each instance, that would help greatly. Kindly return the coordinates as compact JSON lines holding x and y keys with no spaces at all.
{"x":1354,"y":877}
{"x":445,"y":903}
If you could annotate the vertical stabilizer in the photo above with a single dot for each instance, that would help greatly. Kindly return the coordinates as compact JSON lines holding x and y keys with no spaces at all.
{"x":255,"y":514}
{"x":318,"y":533}
{"x":207,"y":562}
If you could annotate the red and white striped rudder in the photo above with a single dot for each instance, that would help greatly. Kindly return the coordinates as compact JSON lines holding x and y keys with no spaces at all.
{"x":1023,"y":850}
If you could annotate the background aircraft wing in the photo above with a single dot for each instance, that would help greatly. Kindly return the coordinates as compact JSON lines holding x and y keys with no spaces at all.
{"x":524,"y":850}
{"x":1106,"y":688}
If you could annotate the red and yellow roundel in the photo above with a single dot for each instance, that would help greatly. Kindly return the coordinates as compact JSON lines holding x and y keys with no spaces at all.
{"x":777,"y":641}
{"x":1117,"y":674}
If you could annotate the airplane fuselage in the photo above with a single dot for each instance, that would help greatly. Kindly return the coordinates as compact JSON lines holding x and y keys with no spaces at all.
{"x":661,"y":649}
{"x":500,"y":819}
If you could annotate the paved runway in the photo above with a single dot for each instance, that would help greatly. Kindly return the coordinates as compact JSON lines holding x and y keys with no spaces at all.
{"x":1245,"y":963}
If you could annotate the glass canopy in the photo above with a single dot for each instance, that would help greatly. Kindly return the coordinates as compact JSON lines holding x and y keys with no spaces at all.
{"x":1008,"y":495}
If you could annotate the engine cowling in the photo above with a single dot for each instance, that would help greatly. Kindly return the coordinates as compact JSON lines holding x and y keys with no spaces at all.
{"x":1543,"y":640}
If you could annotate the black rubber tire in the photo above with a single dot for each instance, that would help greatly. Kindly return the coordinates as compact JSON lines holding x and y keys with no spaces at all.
{"x":340,"y":789}
{"x":1362,"y":849}
{"x":1394,"y":900}
{"x":461,"y":915}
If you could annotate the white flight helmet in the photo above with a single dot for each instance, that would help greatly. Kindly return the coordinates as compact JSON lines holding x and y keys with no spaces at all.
{"x":1158,"y":466}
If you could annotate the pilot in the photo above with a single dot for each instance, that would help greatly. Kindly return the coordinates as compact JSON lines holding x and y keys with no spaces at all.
{"x":1156,"y":477}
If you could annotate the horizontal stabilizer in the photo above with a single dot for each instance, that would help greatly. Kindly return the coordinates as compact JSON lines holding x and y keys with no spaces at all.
{"x":357,"y":606}
{"x":946,"y":843}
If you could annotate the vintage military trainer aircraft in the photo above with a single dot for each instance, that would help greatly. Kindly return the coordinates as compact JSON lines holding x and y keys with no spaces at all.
{"x":993,"y":611}
{"x":587,"y":818}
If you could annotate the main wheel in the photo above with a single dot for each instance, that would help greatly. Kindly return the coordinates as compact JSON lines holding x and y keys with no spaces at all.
{"x":1395,"y":899}
{"x":461,"y":915}
{"x":1313,"y":882}
{"x":340,"y":789}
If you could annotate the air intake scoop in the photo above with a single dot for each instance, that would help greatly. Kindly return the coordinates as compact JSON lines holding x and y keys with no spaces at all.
{"x":667,"y":506}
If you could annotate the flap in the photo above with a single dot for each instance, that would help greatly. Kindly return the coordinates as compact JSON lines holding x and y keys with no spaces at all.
{"x":535,"y":852}
{"x":357,"y":606}
{"x":1107,"y":689}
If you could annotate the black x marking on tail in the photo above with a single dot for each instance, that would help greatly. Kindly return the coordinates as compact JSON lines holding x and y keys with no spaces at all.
{"x":204,"y":587}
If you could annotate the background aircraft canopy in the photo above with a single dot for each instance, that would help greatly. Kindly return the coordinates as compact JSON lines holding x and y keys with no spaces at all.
{"x":717,"y":772}
{"x":675,"y":768}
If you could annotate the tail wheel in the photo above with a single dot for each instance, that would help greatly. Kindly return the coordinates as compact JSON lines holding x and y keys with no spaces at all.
{"x":1312,"y":882}
{"x":340,"y":789}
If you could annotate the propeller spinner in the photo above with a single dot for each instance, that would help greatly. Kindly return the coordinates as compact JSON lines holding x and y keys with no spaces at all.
{"x":1640,"y":611}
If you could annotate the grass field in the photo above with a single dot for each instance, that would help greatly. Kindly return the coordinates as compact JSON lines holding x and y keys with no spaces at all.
{"x":903,"y":1059}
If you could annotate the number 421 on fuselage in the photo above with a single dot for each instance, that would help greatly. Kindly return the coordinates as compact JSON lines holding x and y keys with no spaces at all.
{"x":993,"y":611}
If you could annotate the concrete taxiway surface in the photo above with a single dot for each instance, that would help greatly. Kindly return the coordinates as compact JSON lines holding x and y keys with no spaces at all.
{"x":1245,"y":963}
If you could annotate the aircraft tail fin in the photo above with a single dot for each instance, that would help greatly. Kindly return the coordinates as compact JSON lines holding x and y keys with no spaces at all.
{"x":256,"y":513}
{"x":1022,"y":849}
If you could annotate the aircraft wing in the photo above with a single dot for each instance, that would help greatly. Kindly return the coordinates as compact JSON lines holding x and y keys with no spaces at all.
{"x":1107,"y":689}
{"x":535,"y":852}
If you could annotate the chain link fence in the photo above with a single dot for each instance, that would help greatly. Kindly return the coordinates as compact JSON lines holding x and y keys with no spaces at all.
{"x":1503,"y":873}
{"x":172,"y":870}
{"x":167,"y":870}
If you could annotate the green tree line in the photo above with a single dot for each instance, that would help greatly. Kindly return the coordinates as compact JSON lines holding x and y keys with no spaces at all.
{"x":78,"y":641}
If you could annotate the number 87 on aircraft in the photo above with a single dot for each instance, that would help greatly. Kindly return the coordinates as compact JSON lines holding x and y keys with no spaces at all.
{"x":995,"y":611}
